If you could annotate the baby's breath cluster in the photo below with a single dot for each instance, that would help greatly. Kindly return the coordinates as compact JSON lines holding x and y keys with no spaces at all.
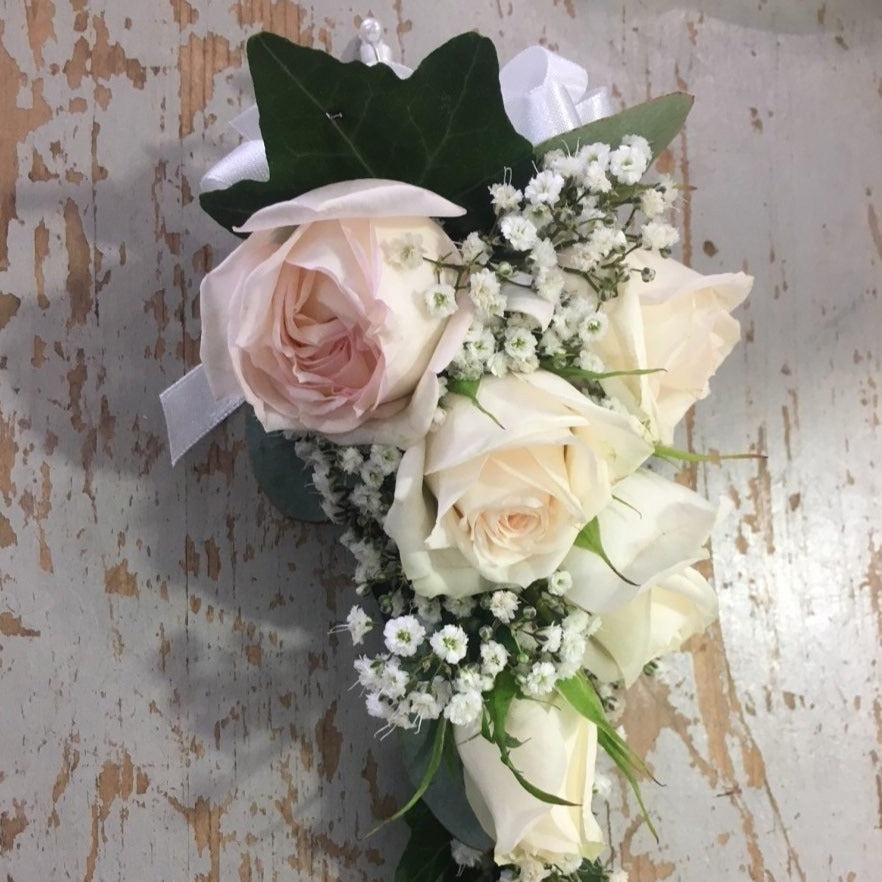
{"x":477,"y":866}
{"x":557,"y":251}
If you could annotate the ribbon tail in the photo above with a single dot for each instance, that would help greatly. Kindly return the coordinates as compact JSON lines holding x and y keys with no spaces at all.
{"x":191,"y":411}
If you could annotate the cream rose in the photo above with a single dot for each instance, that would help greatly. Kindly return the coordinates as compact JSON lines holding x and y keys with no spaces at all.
{"x":557,"y":752}
{"x":482,"y":501}
{"x":653,"y":528}
{"x":678,"y":322}
{"x":319,"y":318}
{"x":658,"y":620}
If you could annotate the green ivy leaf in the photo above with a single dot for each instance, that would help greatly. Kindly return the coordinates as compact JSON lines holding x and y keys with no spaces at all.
{"x":445,"y":795}
{"x":281,"y":474}
{"x":579,"y":692}
{"x":589,"y":539}
{"x":657,"y":120}
{"x":323,"y":121}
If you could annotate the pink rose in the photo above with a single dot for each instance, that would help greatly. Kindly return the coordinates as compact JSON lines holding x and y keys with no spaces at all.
{"x":320,"y":319}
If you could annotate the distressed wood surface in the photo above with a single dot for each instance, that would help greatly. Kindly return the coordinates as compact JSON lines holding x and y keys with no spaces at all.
{"x":171,"y":705}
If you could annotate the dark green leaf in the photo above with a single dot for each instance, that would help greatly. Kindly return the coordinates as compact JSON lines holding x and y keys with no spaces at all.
{"x":657,"y":120}
{"x":282,"y":476}
{"x":323,"y":121}
{"x":445,"y":796}
{"x":589,"y":539}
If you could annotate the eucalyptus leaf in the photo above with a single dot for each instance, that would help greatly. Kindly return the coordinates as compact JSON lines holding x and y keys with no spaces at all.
{"x":432,"y":766}
{"x":657,"y":120}
{"x":426,"y":856}
{"x":445,"y":795}
{"x":322,"y":120}
{"x":282,"y":475}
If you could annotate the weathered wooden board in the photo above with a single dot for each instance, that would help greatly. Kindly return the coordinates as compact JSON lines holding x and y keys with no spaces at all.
{"x":171,"y":704}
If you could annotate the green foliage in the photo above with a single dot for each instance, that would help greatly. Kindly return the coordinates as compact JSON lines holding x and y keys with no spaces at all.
{"x":469,"y":389}
{"x":657,"y":120}
{"x":432,"y":766}
{"x":579,"y":692}
{"x":445,"y":795}
{"x":589,"y":539}
{"x":282,"y":476}
{"x":323,"y":121}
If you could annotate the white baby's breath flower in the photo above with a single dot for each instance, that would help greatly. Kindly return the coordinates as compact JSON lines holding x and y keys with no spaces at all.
{"x":474,"y":249}
{"x":424,"y":705}
{"x":465,"y":856}
{"x":440,"y":300}
{"x":533,"y":870}
{"x":385,"y":457}
{"x":640,"y":146}
{"x":543,"y":255}
{"x":519,"y":343}
{"x":628,"y":162}
{"x":505,"y":198}
{"x":464,"y":708}
{"x":618,"y":876}
{"x":595,"y":178}
{"x":560,"y":582}
{"x":459,"y":606}
{"x":393,"y":680}
{"x":350,"y":459}
{"x":652,"y":202}
{"x":450,"y":644}
{"x":594,"y":327}
{"x":358,"y":623}
{"x":550,"y":344}
{"x":403,"y":635}
{"x":544,"y":188}
{"x":368,"y":677}
{"x":519,"y":232}
{"x":591,"y":361}
{"x":597,"y":152}
{"x":494,"y":657}
{"x":428,"y":609}
{"x":405,"y":252}
{"x":658,"y":236}
{"x":669,"y":188}
{"x":566,"y":164}
{"x":540,"y":680}
{"x":376,"y":706}
{"x":484,"y":289}
{"x":568,"y":863}
{"x":549,"y":283}
{"x":371,"y":474}
{"x":498,"y":364}
{"x":550,"y":636}
{"x":504,"y":605}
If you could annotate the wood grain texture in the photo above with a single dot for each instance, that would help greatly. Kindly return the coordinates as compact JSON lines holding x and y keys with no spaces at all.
{"x":173,"y":706}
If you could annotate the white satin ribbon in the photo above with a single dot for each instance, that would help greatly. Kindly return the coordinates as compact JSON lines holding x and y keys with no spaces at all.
{"x":191,"y":411}
{"x":544,"y":95}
